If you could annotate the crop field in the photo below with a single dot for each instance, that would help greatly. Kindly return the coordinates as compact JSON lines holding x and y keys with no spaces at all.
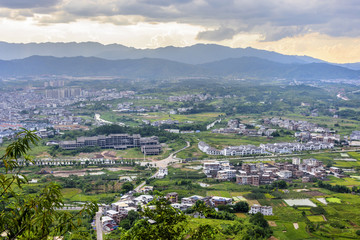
{"x":268,"y":195}
{"x":285,"y":230}
{"x":272,"y":202}
{"x":68,"y":193}
{"x":355,"y":155}
{"x":316,"y":218}
{"x":237,"y":194}
{"x":220,"y":141}
{"x":304,"y":208}
{"x":239,"y":198}
{"x":95,"y":197}
{"x":218,"y":193}
{"x":346,"y":164}
{"x":199,"y":117}
{"x":344,"y":181}
{"x":333,"y":200}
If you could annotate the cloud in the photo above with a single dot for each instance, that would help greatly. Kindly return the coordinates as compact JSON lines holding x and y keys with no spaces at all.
{"x":273,"y":19}
{"x":216,"y":35}
{"x":21,"y":4}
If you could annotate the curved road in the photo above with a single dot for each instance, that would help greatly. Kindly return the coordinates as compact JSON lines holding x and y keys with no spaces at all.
{"x":163,"y":164}
{"x":170,"y":159}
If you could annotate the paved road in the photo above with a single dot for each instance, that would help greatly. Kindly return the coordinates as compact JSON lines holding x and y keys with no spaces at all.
{"x":99,"y":230}
{"x":170,"y":159}
{"x":137,"y":189}
{"x":162,"y":164}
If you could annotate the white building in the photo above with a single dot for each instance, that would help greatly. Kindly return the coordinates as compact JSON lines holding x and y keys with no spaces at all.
{"x":285,"y":174}
{"x":162,"y":173}
{"x":226,"y":174}
{"x":265,"y":210}
{"x":296,"y":161}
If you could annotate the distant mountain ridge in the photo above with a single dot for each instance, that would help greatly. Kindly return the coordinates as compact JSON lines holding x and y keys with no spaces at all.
{"x":196,"y":54}
{"x":244,"y":67}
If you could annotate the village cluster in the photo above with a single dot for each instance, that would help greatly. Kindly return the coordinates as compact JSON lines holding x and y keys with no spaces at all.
{"x":114,"y":213}
{"x":266,"y":173}
{"x":269,"y":148}
{"x":248,"y":174}
{"x":305,"y":131}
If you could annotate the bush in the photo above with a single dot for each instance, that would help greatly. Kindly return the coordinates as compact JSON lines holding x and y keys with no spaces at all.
{"x":241,"y":206}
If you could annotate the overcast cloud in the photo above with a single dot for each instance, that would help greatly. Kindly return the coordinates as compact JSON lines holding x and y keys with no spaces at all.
{"x":274,"y":19}
{"x":218,"y":21}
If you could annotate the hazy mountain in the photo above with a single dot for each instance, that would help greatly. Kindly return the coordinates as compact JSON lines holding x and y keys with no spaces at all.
{"x":196,"y":54}
{"x":160,"y":68}
{"x":261,"y":68}
{"x":91,"y":66}
{"x":353,"y":66}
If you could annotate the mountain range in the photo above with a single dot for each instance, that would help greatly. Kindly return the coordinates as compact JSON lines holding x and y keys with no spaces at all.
{"x":245,"y":67}
{"x":95,"y":59}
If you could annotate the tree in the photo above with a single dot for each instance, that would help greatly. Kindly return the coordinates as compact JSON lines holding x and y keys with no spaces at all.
{"x":24,"y":216}
{"x":130,"y":220}
{"x":241,"y":206}
{"x":128,"y":186}
{"x":201,"y":208}
{"x":163,"y":222}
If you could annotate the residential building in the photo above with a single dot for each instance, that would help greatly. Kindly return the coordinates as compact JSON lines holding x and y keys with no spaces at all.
{"x":265,"y":210}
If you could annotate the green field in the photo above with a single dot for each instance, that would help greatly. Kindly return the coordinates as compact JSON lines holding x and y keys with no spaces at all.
{"x":95,"y":197}
{"x":355,"y":155}
{"x":267,"y":195}
{"x":316,"y":218}
{"x":285,"y":230}
{"x":219,"y":194}
{"x":344,"y":181}
{"x":220,"y":141}
{"x":69,"y":193}
{"x":199,"y":117}
{"x":333,"y":200}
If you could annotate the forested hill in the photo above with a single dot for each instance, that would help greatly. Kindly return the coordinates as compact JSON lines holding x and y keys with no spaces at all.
{"x":196,"y":54}
{"x":245,"y":67}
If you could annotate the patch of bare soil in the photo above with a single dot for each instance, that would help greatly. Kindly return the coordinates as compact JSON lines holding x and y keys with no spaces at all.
{"x":64,"y":173}
{"x":109,"y":154}
{"x":272,"y":223}
{"x":44,"y":155}
{"x":177,"y":165}
{"x":118,"y":169}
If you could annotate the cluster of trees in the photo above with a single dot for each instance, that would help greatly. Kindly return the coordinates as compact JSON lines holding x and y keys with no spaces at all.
{"x":166,"y":222}
{"x":55,"y":149}
{"x":144,"y":131}
{"x":32,"y":216}
{"x":186,"y":127}
{"x":349,"y":114}
{"x":334,"y":188}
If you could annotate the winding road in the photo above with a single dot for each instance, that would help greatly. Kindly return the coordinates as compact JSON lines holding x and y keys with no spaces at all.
{"x":162,"y":164}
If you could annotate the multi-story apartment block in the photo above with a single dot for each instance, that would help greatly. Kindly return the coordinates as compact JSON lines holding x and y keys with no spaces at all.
{"x":116,"y":141}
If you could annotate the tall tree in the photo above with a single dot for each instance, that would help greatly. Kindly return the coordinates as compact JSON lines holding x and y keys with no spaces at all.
{"x":24,"y":216}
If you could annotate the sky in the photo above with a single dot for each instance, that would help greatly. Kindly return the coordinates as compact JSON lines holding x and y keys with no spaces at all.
{"x":325,"y":29}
